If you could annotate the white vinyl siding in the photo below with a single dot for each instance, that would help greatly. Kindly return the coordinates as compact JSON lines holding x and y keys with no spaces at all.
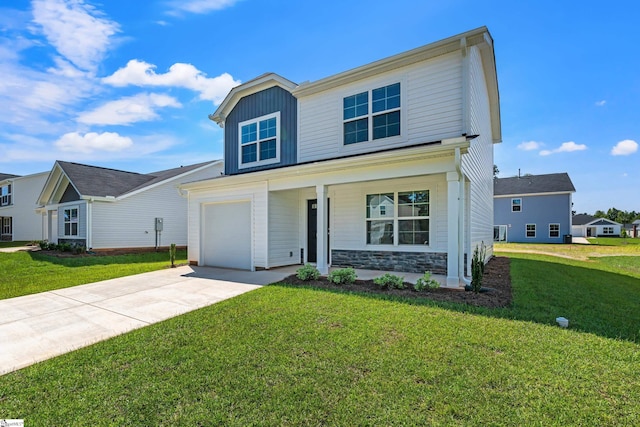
{"x":284,"y":246}
{"x":26,"y":223}
{"x":477,"y":164}
{"x":348,"y":213}
{"x":130,"y":222}
{"x":431,"y":94}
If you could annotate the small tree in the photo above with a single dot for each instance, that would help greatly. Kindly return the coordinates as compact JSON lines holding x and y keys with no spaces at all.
{"x":172,"y":255}
{"x":477,"y":267}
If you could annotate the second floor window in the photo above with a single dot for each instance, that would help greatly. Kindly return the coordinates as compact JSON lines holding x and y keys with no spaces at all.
{"x":260,"y":140}
{"x":516,"y":205}
{"x":372,"y":115}
{"x":5,"y":195}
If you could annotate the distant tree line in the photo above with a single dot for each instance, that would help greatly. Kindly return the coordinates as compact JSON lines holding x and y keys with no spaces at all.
{"x":622,"y":217}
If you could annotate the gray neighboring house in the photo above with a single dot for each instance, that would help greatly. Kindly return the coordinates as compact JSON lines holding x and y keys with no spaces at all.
{"x":532,"y":208}
{"x":102,"y":208}
{"x":584,"y":225}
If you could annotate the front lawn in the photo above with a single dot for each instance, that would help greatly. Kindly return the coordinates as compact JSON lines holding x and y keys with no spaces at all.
{"x":576,"y":251}
{"x":13,"y":244}
{"x":614,"y":241}
{"x":300,"y":356}
{"x":23,"y":273}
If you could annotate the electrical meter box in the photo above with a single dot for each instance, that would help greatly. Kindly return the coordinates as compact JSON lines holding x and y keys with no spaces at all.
{"x":158,"y":224}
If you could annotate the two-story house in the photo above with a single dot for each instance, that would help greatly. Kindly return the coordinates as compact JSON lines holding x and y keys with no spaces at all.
{"x":533,"y":208}
{"x":103,"y":208}
{"x":388,"y":166}
{"x":18,"y":218}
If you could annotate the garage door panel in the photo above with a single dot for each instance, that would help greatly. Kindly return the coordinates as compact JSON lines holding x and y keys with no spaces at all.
{"x":227,"y":235}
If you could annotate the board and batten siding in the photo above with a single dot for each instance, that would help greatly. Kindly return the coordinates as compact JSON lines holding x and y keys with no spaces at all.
{"x":130,"y":222}
{"x":431,"y":109}
{"x":348,"y":212}
{"x":477,"y":164}
{"x":284,"y":238}
{"x":255,"y":192}
{"x":257,"y":105}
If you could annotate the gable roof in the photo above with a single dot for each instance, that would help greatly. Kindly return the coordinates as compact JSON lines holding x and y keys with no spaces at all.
{"x":533,"y":184}
{"x":584,"y":219}
{"x":5,"y":176}
{"x":96,"y":181}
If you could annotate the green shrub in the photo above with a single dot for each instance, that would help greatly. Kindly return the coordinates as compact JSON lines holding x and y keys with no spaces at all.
{"x":426,"y":282}
{"x":44,"y":245}
{"x":477,"y":267}
{"x":307,"y":272}
{"x":389,"y":281}
{"x":79,"y":249}
{"x":343,"y":276}
{"x":52,"y":246}
{"x":64,"y":247}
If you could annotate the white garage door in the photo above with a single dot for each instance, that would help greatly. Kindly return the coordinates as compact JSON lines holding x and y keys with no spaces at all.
{"x":227,"y":235}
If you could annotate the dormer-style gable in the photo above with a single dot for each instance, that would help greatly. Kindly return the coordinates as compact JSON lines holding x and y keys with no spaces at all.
{"x":260,"y":122}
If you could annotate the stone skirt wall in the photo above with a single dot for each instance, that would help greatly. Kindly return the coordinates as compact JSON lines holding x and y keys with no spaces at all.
{"x":408,"y":262}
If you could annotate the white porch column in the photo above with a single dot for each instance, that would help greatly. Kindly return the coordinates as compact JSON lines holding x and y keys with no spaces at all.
{"x":453,"y":228}
{"x":322,"y":230}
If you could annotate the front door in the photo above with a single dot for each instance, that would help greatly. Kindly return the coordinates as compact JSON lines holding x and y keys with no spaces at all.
{"x":312,"y":230}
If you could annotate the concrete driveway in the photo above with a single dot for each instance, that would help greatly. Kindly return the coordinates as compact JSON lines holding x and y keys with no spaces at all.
{"x":37,"y":327}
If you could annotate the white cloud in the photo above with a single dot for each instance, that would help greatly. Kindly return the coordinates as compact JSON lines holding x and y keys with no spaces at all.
{"x":78,"y":31}
{"x":132,"y":109}
{"x":92,"y":142}
{"x":566,"y":147}
{"x":140,"y":73}
{"x":601,"y":103}
{"x":624,"y":148}
{"x":530,"y":145}
{"x":199,"y":6}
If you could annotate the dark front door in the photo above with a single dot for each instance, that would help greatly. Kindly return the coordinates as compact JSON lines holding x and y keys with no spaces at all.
{"x":312,"y":230}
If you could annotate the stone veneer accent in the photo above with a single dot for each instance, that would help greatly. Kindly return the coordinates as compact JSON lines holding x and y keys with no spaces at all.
{"x":408,"y":262}
{"x":74,"y":242}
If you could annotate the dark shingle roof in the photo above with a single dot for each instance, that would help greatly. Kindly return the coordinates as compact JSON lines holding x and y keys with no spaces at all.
{"x":582,"y":219}
{"x":101,"y":182}
{"x":4,"y":176}
{"x":532,"y":184}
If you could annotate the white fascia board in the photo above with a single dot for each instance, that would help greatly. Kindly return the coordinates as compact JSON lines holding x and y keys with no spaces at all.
{"x":157,"y":184}
{"x":325,"y":167}
{"x":258,"y":84}
{"x":50,"y":187}
{"x":503,"y":196}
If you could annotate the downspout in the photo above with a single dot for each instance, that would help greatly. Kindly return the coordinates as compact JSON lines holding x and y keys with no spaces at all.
{"x":89,"y":224}
{"x":461,"y":215}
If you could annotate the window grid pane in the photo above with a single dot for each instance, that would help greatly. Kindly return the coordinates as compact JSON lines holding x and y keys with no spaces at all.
{"x":386,"y":125}
{"x":249,"y":133}
{"x":413,"y":232}
{"x":356,"y":131}
{"x":268,"y":149}
{"x":554,"y":230}
{"x":380,"y":232}
{"x":386,"y":98}
{"x":268,"y":128}
{"x":355,"y":106}
{"x":531,"y":230}
{"x":249,"y":153}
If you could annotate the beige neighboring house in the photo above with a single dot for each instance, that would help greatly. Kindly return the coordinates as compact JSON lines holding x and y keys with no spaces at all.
{"x":19,"y":220}
{"x":102,"y":208}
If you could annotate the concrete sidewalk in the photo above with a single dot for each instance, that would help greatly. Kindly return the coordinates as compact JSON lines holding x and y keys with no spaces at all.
{"x":37,"y":327}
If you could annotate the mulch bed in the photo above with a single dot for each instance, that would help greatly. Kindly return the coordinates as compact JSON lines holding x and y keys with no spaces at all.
{"x":496,"y":278}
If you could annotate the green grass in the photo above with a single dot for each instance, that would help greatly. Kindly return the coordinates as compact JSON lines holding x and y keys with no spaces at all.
{"x":298,"y":356}
{"x":23,"y":273}
{"x":614,"y":241}
{"x":583,"y":252}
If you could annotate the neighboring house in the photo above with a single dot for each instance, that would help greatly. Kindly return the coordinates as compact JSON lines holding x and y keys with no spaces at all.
{"x":634,"y":231}
{"x":102,"y":208}
{"x":18,"y":218}
{"x":532,"y":208}
{"x":589,"y":226}
{"x":387,"y":166}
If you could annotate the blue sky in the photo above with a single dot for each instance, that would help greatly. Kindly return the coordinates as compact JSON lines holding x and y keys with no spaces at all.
{"x":129,"y":85}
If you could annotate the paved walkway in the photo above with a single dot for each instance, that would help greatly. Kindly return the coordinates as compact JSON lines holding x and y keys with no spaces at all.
{"x":37,"y":327}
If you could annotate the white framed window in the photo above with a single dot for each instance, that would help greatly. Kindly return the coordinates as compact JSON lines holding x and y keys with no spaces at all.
{"x":70,"y":221}
{"x":531,"y":230}
{"x":607,"y":230}
{"x":6,"y":224}
{"x":516,"y":205}
{"x":499,"y":233}
{"x":259,"y":141}
{"x":371,"y":115}
{"x":398,"y":218}
{"x":5,"y":195}
{"x":554,"y":230}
